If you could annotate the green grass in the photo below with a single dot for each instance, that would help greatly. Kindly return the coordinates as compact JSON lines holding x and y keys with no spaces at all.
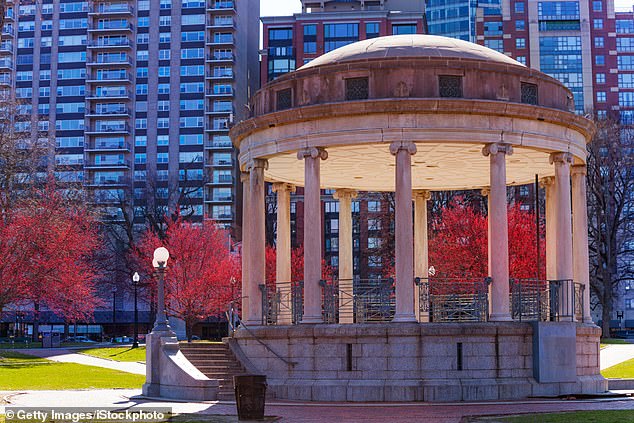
{"x":12,"y":358}
{"x":45,"y":374}
{"x":117,"y":353}
{"x":624,"y":370}
{"x":602,"y":416}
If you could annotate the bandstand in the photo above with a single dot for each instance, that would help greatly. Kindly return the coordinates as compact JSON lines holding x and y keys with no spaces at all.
{"x":411,"y":114}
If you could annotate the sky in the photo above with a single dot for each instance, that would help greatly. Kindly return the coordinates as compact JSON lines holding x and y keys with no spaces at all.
{"x":288,"y":7}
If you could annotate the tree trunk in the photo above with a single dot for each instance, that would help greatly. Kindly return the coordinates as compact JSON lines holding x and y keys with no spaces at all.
{"x":188,"y":329}
{"x":36,"y":322}
{"x":607,"y":306}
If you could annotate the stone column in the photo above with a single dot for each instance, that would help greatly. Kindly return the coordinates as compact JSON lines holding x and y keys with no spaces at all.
{"x":404,"y":232}
{"x":486,"y":192}
{"x":499,"y":242}
{"x":312,"y":233}
{"x":581,"y":265}
{"x":421,"y":248}
{"x":548,"y":184}
{"x":257,"y":243}
{"x":283,"y":251}
{"x":346,"y":262}
{"x":245,"y":178}
{"x":563,"y":271}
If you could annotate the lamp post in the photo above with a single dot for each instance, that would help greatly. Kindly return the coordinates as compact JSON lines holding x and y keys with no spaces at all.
{"x":161,"y":255}
{"x":114,"y":302}
{"x":135,"y":283}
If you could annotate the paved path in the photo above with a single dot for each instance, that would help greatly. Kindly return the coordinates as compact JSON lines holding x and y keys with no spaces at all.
{"x":71,"y":356}
{"x":615,"y":354}
{"x":316,"y":412}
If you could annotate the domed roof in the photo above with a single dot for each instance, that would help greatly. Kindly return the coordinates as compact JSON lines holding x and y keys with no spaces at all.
{"x":410,"y":45}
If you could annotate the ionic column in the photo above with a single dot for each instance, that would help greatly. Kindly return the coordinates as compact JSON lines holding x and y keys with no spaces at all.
{"x":346,"y":262}
{"x":312,"y":233}
{"x":421,"y":247}
{"x":283,"y":251}
{"x":257,"y":243}
{"x":581,"y":265}
{"x":245,"y":178}
{"x":563,"y":215}
{"x":499,"y":236}
{"x":548,"y":184}
{"x":404,"y":232}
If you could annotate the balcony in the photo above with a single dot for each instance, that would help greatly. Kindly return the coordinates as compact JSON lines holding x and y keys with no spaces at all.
{"x":110,"y":95}
{"x":220,"y":163}
{"x":219,"y":199}
{"x":125,"y":112}
{"x":109,"y":181}
{"x":218,"y":76}
{"x":220,"y":58}
{"x":6,"y":48}
{"x":120,"y":79}
{"x":222,"y":216}
{"x":5,"y":80}
{"x":111,"y":61}
{"x":221,"y":6}
{"x":111,"y":27}
{"x":212,"y":94}
{"x":8,"y":31}
{"x":110,"y":44}
{"x":108,"y":129}
{"x":6,"y":64}
{"x":222,"y":145}
{"x":122,"y":9}
{"x":118,"y":164}
{"x":220,"y":41}
{"x":220,"y":25}
{"x":219,"y":112}
{"x":107,"y":146}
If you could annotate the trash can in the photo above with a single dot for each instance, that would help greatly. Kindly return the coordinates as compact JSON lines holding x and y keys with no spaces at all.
{"x":250,"y":392}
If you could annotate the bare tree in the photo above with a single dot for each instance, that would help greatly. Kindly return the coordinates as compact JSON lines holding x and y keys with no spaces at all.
{"x":610,"y":210}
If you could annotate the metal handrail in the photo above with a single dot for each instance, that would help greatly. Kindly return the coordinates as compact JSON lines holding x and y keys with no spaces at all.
{"x":546,"y":300}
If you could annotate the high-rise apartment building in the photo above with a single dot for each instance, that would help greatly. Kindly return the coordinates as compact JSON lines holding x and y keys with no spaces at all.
{"x":138,"y":95}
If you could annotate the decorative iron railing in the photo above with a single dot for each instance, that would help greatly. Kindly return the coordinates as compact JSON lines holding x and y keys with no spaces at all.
{"x":453,"y":299}
{"x":546,"y":300}
{"x":282,"y":304}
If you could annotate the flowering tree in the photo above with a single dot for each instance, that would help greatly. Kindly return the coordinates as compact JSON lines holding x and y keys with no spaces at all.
{"x":458,"y":244}
{"x":297,"y":266}
{"x":48,"y":244}
{"x":202,"y":274}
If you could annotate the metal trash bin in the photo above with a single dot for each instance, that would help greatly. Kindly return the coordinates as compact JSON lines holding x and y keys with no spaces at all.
{"x":250,"y":396}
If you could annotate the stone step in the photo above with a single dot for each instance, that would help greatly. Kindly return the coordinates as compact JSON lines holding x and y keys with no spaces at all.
{"x":210,"y":361}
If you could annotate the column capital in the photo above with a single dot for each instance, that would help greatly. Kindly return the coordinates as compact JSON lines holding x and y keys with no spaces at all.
{"x":282,"y":186}
{"x":547,"y":181}
{"x":560,"y":158}
{"x":580,"y":169}
{"x":313,"y":152}
{"x":253,"y":164}
{"x":244,"y":176}
{"x":485,"y":192}
{"x":422,"y":193}
{"x":403,"y":145}
{"x":345,"y":194}
{"x":495,"y":148}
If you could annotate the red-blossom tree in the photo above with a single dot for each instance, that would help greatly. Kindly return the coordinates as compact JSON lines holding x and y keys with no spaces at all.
{"x":297,"y":266}
{"x":48,"y":245}
{"x":202,"y":275}
{"x":458,"y":244}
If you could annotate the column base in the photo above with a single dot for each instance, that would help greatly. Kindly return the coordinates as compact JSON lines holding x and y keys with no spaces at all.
{"x":312,"y":320}
{"x":500,"y":317}
{"x":253,"y":322}
{"x":405,"y":317}
{"x":588,"y":320}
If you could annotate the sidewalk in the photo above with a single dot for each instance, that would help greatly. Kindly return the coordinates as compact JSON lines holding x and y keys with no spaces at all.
{"x":614,"y":354}
{"x":70,"y":356}
{"x":316,"y":412}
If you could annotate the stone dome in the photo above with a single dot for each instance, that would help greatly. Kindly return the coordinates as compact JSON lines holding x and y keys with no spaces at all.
{"x":408,"y":46}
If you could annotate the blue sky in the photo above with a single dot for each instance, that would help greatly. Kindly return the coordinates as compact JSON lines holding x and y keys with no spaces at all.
{"x":288,"y":7}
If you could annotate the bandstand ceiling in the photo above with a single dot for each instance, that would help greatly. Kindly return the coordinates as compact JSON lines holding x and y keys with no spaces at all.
{"x":436,"y":166}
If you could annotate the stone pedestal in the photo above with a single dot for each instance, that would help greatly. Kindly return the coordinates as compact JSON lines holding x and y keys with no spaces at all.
{"x":170,"y":375}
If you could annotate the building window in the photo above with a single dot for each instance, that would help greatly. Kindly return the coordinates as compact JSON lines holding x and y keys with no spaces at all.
{"x":519,"y":7}
{"x":529,"y":93}
{"x":403,"y":29}
{"x":597,"y":6}
{"x":450,"y":86}
{"x":520,"y":25}
{"x":521,"y":59}
{"x":598,"y":24}
{"x":600,"y":78}
{"x":284,"y":99}
{"x":372,"y":30}
{"x":520,"y":42}
{"x":599,"y":42}
{"x":601,"y":96}
{"x":599,"y":60}
{"x":357,"y":89}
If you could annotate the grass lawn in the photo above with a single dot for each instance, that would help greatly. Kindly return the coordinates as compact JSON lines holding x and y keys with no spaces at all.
{"x":623,"y":370}
{"x":117,"y":353}
{"x":20,"y":371}
{"x":613,"y":341}
{"x":603,"y":416}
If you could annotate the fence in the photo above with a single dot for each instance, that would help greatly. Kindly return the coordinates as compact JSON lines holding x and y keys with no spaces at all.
{"x":546,"y":300}
{"x":453,"y":299}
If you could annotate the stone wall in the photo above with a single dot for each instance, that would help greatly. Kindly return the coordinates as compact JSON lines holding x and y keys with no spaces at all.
{"x":411,"y":361}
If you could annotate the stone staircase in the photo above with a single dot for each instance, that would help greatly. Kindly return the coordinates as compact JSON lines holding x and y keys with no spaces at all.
{"x":216,"y":361}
